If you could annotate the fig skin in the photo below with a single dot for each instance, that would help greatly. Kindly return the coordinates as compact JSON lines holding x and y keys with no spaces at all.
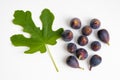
{"x":75,"y":23}
{"x":81,"y":54}
{"x":67,"y":35}
{"x":82,"y":40}
{"x":95,"y":61}
{"x":87,"y":30}
{"x":73,"y":62}
{"x":95,"y":45}
{"x":71,"y":47}
{"x":103,"y":35}
{"x":95,"y":23}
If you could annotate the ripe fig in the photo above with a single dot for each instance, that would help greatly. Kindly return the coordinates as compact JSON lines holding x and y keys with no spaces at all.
{"x":67,"y":35}
{"x":94,"y":61}
{"x":87,"y":30}
{"x":81,"y":53}
{"x":95,"y":23}
{"x":82,"y":40}
{"x":72,"y":62}
{"x":95,"y":45}
{"x":71,"y":47}
{"x":75,"y":23}
{"x":103,"y":35}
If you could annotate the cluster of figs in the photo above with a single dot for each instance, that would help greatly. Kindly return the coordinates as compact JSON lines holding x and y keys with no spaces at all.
{"x":83,"y":40}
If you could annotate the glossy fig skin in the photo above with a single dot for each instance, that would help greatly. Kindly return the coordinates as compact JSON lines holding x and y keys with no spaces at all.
{"x":71,"y":47}
{"x":82,"y":40}
{"x":81,"y":54}
{"x":95,"y":45}
{"x":75,"y":23}
{"x":95,"y":61}
{"x":95,"y":23}
{"x":72,"y":62}
{"x":87,"y":30}
{"x":103,"y":35}
{"x":67,"y":35}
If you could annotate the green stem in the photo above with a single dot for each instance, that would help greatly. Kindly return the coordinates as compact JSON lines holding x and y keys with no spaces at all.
{"x":51,"y":57}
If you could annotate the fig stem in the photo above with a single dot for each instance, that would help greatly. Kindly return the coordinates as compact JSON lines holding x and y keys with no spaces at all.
{"x":80,"y":57}
{"x":90,"y":68}
{"x":81,"y":68}
{"x":51,"y":57}
{"x":108,"y":43}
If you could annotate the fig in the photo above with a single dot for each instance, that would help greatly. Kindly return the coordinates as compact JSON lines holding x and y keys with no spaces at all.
{"x":95,"y":23}
{"x":95,"y":61}
{"x":75,"y":23}
{"x":103,"y":35}
{"x":73,"y":62}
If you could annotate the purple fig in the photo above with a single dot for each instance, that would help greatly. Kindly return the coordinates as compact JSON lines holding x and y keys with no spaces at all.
{"x":95,"y":23}
{"x":71,"y":47}
{"x":72,"y":62}
{"x":103,"y":35}
{"x":82,"y":40}
{"x":81,"y":53}
{"x":95,"y":61}
{"x":75,"y":23}
{"x":87,"y":30}
{"x":95,"y":45}
{"x":67,"y":35}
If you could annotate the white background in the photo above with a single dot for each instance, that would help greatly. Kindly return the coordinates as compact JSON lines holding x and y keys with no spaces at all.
{"x":15,"y":65}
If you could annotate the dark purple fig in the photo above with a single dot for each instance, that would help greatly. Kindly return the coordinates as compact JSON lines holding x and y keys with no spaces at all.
{"x":87,"y":30}
{"x":72,"y":62}
{"x":81,"y":53}
{"x":75,"y":23}
{"x":103,"y":35}
{"x":67,"y":35}
{"x":95,"y":23}
{"x":71,"y":47}
{"x":82,"y":40}
{"x":95,"y":45}
{"x":95,"y":61}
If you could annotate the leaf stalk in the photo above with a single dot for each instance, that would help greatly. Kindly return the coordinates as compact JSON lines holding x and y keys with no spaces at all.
{"x":51,"y":57}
